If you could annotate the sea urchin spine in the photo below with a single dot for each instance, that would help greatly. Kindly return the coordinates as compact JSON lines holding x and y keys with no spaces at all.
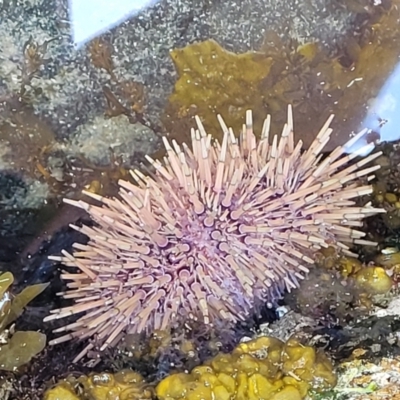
{"x":220,"y":229}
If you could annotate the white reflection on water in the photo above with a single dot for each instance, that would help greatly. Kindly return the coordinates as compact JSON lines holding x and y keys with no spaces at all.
{"x":90,"y":18}
{"x":383,"y":117}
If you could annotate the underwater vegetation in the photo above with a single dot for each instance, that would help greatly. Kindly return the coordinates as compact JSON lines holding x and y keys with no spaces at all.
{"x":261,"y":368}
{"x":211,"y":79}
{"x":17,"y":348}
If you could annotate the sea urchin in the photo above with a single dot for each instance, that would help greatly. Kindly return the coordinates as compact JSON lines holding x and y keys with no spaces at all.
{"x":220,"y":229}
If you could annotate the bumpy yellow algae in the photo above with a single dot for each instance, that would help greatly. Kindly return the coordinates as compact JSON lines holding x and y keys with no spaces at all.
{"x":389,"y":259}
{"x":264,"y":368}
{"x":307,"y":364}
{"x":61,"y":392}
{"x":261,"y":369}
{"x":123,"y":385}
{"x":349,"y":266}
{"x":369,"y":280}
{"x":374,"y":280}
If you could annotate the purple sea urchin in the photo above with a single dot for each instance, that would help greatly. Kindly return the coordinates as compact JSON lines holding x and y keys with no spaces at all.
{"x":218,"y":230}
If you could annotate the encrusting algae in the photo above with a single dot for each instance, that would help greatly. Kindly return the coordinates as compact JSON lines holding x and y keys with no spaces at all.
{"x":369,"y":279}
{"x":264,"y":368}
{"x":123,"y":385}
{"x":373,"y":280}
{"x":341,"y":287}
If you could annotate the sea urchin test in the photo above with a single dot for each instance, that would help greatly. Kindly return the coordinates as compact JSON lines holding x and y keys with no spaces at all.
{"x":218,"y":231}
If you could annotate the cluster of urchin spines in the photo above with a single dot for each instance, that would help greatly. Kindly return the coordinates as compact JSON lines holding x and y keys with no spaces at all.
{"x":219,"y":227}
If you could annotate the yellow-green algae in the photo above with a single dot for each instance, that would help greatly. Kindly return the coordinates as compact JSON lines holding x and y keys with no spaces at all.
{"x":389,"y":259}
{"x":263,"y":368}
{"x":211,"y":79}
{"x":388,"y":200}
{"x":62,"y":391}
{"x":124,"y":385}
{"x":373,"y":280}
{"x":18,"y":347}
{"x":368,"y":280}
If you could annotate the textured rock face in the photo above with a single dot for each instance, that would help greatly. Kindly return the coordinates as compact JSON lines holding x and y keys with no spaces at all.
{"x":70,"y":88}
